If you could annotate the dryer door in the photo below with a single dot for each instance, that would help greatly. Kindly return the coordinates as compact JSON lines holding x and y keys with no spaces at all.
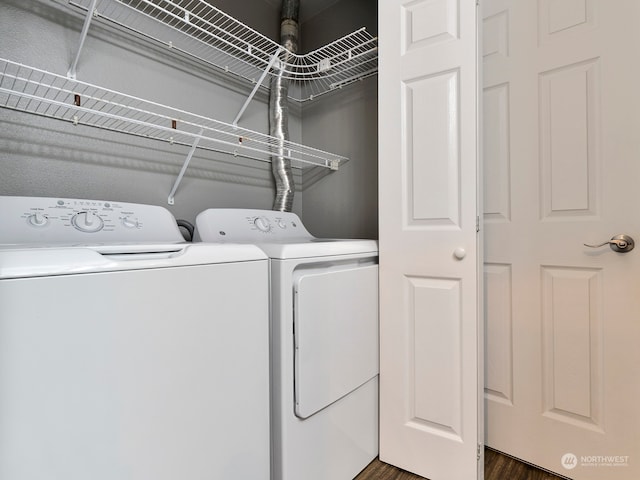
{"x":336,"y":334}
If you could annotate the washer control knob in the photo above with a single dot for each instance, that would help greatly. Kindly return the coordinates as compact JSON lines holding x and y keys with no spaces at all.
{"x":38,"y":220}
{"x":281,"y":224}
{"x":130,"y":222}
{"x":87,"y":222}
{"x":262,"y":224}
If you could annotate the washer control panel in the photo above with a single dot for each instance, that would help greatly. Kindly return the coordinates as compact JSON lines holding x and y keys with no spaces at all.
{"x":249,"y":226}
{"x":45,"y":220}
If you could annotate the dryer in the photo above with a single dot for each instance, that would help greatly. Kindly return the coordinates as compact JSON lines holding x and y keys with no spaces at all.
{"x":324,"y":342}
{"x":126,"y":353}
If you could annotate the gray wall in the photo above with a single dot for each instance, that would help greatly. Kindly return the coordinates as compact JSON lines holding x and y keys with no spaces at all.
{"x":260,"y":15}
{"x":342,"y":204}
{"x":337,"y":20}
{"x":46,"y":157}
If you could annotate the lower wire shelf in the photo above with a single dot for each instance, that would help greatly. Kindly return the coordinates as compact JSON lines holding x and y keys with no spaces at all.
{"x":28,"y":89}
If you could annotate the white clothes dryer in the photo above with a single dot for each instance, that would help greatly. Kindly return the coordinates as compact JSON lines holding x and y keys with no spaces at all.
{"x":126,"y":353}
{"x":324,"y":342}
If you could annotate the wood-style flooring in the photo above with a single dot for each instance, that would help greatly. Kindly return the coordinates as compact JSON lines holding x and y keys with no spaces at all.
{"x":496,"y":467}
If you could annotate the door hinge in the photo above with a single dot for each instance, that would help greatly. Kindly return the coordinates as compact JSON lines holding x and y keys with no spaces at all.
{"x":479,"y":451}
{"x":477,"y":223}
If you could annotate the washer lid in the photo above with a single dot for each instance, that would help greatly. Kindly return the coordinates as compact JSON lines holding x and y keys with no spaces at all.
{"x":41,"y":262}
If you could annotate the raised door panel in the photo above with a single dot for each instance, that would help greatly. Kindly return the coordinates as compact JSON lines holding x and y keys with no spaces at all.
{"x":427,"y":22}
{"x":435,"y":355}
{"x":572,"y":345}
{"x":495,"y":41}
{"x":569,"y":139}
{"x":498,"y":318}
{"x":496,"y":155}
{"x":557,"y":18}
{"x":432,"y":150}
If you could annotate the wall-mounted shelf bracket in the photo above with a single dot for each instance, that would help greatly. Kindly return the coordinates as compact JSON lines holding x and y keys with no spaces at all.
{"x":91,"y":12}
{"x":274,"y":57}
{"x":171,"y":199}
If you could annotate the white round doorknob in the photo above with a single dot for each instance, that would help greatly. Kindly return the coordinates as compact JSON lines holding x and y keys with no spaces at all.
{"x":459,"y":253}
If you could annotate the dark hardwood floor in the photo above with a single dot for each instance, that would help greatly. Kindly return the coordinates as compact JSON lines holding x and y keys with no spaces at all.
{"x":496,"y":467}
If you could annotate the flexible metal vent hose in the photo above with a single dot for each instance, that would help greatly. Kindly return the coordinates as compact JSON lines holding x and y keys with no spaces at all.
{"x":279,"y":109}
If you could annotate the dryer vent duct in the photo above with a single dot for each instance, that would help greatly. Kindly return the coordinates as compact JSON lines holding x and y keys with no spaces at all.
{"x":279,"y":108}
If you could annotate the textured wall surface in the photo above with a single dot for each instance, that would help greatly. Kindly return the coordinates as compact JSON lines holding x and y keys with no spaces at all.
{"x":343,"y":203}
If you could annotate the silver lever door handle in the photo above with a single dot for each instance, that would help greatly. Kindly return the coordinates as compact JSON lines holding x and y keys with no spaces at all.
{"x":619,"y":243}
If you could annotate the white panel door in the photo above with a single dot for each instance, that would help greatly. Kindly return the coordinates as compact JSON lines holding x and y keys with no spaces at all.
{"x":430,"y":420}
{"x":561,"y":149}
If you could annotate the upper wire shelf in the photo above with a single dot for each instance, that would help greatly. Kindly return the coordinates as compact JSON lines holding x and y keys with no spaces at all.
{"x":36,"y":91}
{"x":199,"y":29}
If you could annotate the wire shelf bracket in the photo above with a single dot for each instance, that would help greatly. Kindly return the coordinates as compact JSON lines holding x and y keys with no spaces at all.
{"x":258,"y":84}
{"x":91,"y":12}
{"x":171,"y":199}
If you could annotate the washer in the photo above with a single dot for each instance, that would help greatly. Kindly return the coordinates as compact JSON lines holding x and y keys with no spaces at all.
{"x":324,"y":342}
{"x":126,"y":353}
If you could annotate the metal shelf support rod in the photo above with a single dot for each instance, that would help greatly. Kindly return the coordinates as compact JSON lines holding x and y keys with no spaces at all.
{"x":171,"y":199}
{"x":83,"y":36}
{"x":273,"y":59}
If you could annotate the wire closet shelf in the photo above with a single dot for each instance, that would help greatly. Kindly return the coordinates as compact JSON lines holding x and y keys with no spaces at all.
{"x":200,"y":30}
{"x":39,"y":92}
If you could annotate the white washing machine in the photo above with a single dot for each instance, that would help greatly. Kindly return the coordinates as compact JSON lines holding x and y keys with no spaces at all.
{"x":324,"y":350}
{"x":125,"y":353}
